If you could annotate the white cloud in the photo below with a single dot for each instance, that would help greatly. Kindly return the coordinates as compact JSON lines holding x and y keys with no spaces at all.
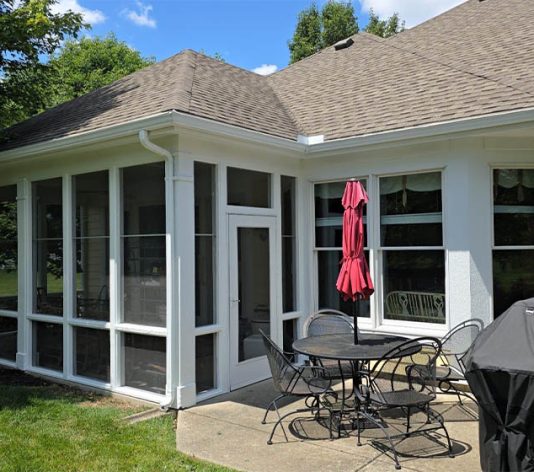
{"x":92,"y":17}
{"x":265,"y":69}
{"x":141,"y":17}
{"x":411,"y":11}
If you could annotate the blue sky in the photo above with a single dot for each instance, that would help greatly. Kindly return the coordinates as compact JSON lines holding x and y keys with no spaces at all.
{"x":248,"y":33}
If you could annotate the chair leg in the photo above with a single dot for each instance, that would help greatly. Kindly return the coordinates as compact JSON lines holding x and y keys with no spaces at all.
{"x":279,"y":422}
{"x":388,"y":437}
{"x":273,"y":403}
{"x":408,"y":419}
{"x":359,"y":443}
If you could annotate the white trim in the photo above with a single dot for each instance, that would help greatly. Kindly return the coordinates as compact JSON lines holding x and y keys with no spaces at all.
{"x":186,"y":121}
{"x":138,"y":393}
{"x":208,"y":329}
{"x":141,"y":329}
{"x":69,"y":286}
{"x":87,"y":138}
{"x":425,"y":131}
{"x":8,"y":314}
{"x":5,"y":362}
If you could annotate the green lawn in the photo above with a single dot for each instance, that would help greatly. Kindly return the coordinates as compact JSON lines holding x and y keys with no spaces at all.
{"x":52,"y":428}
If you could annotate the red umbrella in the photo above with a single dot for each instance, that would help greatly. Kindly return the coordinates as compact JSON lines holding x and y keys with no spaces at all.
{"x":354,"y":280}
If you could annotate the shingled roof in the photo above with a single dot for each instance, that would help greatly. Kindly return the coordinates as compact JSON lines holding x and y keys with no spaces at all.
{"x":473,"y":60}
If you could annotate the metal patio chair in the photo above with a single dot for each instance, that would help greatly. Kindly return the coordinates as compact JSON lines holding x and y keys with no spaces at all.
{"x":305,"y":381}
{"x":403,"y":379}
{"x":330,"y":321}
{"x":451,"y":369}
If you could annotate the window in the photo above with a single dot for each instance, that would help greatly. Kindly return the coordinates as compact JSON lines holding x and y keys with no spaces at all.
{"x":289,"y":276}
{"x":91,"y":243}
{"x":8,"y":249}
{"x":413,"y":259}
{"x":248,"y":188}
{"x":145,"y":362}
{"x":48,"y":247}
{"x":143,"y":245}
{"x":204,"y":244}
{"x":513,"y":234}
{"x":289,"y":334}
{"x":328,"y":245}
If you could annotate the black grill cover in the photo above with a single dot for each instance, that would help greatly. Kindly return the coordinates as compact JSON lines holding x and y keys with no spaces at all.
{"x":500,"y":373}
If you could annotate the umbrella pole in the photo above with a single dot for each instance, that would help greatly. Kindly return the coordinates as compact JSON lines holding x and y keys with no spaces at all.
{"x":355,"y":316}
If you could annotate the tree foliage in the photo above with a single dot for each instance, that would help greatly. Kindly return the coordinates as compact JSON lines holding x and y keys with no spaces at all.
{"x":85,"y":65}
{"x":384,"y":28}
{"x":337,"y":20}
{"x":307,"y":39}
{"x":28,"y":30}
{"x":77,"y":68}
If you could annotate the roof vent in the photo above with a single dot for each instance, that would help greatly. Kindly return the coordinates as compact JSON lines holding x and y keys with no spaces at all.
{"x":343,"y":44}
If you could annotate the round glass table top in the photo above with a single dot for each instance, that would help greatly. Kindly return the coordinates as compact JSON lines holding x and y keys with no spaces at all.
{"x":342,"y":347}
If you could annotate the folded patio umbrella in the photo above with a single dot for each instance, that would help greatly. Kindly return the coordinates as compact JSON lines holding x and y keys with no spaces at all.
{"x":354,"y":280}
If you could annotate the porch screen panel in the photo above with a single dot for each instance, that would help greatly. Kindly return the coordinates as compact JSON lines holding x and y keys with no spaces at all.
{"x":47,"y":339}
{"x":91,"y":243}
{"x":145,"y":362}
{"x":92,"y":353}
{"x":143,"y":245}
{"x":8,"y":338}
{"x":204,"y":244}
{"x":328,"y":247}
{"x":289,"y":276}
{"x":48,"y":247}
{"x":413,"y":259}
{"x":513,"y":231}
{"x":205,"y":362}
{"x":248,"y":188}
{"x":8,"y":249}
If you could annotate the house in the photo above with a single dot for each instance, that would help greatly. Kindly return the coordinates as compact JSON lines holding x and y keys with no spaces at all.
{"x":164,"y":219}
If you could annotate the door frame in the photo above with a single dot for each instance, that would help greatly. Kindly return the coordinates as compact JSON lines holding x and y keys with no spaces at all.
{"x":255,"y":369}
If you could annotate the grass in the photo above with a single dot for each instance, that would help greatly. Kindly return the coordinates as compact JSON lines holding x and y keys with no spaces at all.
{"x":53,"y":428}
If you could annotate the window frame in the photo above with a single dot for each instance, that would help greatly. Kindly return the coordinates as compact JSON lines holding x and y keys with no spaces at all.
{"x":494,"y":247}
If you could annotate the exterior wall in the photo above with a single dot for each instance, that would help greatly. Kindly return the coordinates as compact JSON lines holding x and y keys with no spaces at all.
{"x":467,"y":212}
{"x":467,"y":223}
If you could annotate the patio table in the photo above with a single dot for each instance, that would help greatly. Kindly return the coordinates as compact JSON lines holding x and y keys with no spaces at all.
{"x":341,"y":347}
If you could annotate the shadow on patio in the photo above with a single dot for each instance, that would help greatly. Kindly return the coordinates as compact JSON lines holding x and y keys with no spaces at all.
{"x":227,"y":430}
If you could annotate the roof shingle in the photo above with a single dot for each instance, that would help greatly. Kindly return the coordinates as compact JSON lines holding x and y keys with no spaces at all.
{"x":474,"y":60}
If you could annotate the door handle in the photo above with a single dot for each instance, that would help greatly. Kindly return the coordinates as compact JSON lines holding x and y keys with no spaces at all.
{"x":236,"y":300}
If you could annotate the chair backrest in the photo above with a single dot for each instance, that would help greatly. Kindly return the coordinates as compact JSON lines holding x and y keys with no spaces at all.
{"x":282,"y":369}
{"x":328,"y":321}
{"x":408,"y":366}
{"x":458,"y":341}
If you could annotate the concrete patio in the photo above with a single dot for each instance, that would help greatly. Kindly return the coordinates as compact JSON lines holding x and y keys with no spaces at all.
{"x":228,"y":431}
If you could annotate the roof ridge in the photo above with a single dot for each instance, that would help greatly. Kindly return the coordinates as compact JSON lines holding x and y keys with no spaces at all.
{"x":456,"y":68}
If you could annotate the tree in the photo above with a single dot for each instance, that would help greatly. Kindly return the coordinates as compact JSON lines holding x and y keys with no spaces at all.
{"x":85,"y":65}
{"x":28,"y":30}
{"x":307,"y":38}
{"x":384,"y":28}
{"x":78,"y":68}
{"x":336,"y":21}
{"x":339,"y":22}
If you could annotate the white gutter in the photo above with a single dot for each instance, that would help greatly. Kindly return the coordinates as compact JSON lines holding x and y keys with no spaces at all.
{"x":196,"y":123}
{"x":170,"y":398}
{"x":131,"y":128}
{"x":426,"y":131}
{"x":313,"y":146}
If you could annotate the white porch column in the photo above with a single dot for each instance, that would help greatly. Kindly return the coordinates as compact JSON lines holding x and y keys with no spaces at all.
{"x":25,"y":289}
{"x":467,"y":205}
{"x":183,"y":330}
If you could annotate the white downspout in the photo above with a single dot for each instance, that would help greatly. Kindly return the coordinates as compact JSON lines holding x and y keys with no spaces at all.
{"x":170,"y":398}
